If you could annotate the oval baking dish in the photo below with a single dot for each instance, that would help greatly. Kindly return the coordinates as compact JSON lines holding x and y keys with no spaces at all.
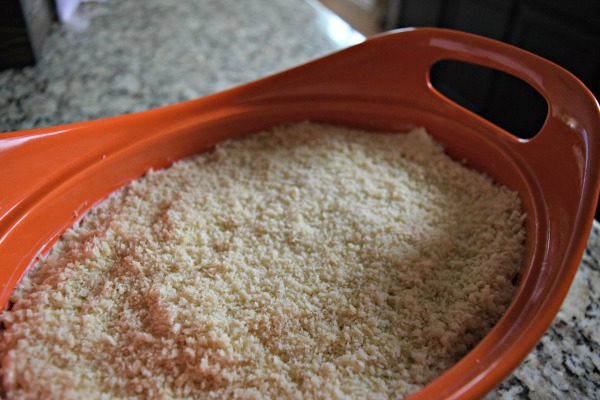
{"x":52,"y":176}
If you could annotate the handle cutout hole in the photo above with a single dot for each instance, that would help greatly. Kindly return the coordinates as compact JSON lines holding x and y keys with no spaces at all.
{"x":500,"y":98}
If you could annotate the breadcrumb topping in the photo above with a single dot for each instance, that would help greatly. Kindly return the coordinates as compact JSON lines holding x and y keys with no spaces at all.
{"x":308,"y":261}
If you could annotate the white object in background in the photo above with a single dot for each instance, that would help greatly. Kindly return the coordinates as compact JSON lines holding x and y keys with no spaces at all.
{"x":66,"y":8}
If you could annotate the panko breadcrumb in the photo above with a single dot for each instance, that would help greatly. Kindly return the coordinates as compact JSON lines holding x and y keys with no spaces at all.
{"x":308,"y":261}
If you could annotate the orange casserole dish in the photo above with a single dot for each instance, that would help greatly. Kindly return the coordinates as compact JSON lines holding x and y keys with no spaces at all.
{"x":52,"y":176}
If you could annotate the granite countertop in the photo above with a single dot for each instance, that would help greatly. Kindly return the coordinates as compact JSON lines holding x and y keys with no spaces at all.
{"x":116,"y":57}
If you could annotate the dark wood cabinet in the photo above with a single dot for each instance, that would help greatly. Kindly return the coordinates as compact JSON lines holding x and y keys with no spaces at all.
{"x":24,"y":25}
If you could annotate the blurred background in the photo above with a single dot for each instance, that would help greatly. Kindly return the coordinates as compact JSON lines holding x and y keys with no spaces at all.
{"x":567,"y":33}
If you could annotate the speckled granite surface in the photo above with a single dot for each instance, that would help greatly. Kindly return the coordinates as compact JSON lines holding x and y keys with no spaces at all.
{"x":118,"y":57}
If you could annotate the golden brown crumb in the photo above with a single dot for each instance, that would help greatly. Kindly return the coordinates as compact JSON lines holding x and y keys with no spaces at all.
{"x":310,"y":261}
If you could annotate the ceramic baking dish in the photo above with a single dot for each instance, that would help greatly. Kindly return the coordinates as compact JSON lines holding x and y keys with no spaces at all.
{"x":51,"y":176}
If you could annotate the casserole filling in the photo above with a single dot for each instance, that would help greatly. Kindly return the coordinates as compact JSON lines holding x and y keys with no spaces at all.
{"x":306,"y":261}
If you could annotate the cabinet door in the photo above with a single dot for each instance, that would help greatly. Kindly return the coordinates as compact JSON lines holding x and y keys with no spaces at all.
{"x":560,"y":39}
{"x":490,"y":18}
{"x":415,"y":13}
